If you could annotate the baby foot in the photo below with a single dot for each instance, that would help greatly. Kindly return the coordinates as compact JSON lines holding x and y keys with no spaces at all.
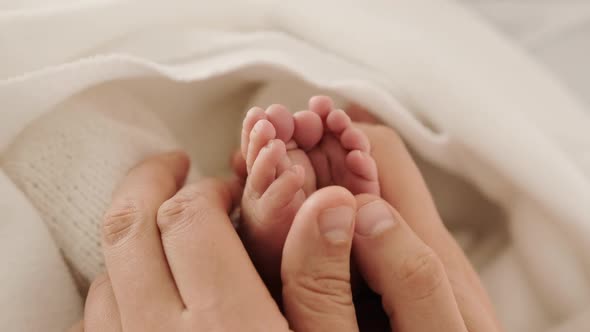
{"x":309,"y":132}
{"x":272,"y":195}
{"x":338,"y":153}
{"x":343,"y":156}
{"x":274,"y":186}
{"x":287,"y":157}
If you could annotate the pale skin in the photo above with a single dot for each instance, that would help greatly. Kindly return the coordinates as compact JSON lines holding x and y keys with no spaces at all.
{"x":285,"y":158}
{"x":161,"y":275}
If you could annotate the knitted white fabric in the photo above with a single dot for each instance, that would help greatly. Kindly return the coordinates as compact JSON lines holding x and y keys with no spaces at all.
{"x":68,"y":162}
{"x":490,"y":123}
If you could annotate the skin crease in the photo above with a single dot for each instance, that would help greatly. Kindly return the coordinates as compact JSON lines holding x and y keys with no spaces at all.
{"x":411,"y":261}
{"x":325,"y":150}
{"x":402,"y":189}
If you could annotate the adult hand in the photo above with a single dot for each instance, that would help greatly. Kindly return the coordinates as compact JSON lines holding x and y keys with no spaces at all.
{"x":423,"y":277}
{"x":175,"y":263}
{"x":410,"y":258}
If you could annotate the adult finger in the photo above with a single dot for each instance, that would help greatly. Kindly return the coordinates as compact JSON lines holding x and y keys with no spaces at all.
{"x":402,"y":189}
{"x":208,"y":261}
{"x":316,"y":264}
{"x":134,"y":258}
{"x":409,"y":276}
{"x":406,"y":186}
{"x":101,"y":312}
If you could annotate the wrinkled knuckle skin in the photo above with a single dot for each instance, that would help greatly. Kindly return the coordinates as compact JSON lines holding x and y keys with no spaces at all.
{"x":122,"y":221}
{"x":421,"y":275}
{"x":98,"y":287}
{"x":321,"y":291}
{"x":180,"y":211}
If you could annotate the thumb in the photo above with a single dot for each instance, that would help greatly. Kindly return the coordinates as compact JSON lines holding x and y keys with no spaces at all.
{"x":315,"y":269}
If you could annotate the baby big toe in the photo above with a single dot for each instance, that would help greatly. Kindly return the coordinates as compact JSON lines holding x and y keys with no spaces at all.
{"x":260,"y":135}
{"x":282,"y":120}
{"x":308,"y":129}
{"x":254,"y":115}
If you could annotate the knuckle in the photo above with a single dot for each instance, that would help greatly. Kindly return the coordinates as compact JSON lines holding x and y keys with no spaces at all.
{"x":320,"y":291}
{"x":122,"y":220}
{"x":421,"y":274}
{"x":180,"y":211}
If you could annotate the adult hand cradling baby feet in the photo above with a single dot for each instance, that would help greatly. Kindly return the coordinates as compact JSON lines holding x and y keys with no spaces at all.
{"x":287,"y":159}
{"x":318,"y":189}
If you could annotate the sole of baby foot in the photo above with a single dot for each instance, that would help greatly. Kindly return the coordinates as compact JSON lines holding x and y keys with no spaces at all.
{"x":343,"y":155}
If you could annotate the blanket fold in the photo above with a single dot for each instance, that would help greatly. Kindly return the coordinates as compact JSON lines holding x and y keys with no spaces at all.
{"x":503,"y":145}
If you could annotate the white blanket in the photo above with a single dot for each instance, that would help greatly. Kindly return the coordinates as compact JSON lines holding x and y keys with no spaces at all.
{"x":89,"y":88}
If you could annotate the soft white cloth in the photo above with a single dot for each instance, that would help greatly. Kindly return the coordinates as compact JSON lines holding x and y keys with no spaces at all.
{"x":555,"y":31}
{"x":504,"y":146}
{"x":38,"y":293}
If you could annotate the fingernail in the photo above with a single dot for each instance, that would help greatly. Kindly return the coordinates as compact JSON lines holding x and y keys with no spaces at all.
{"x":335,"y":223}
{"x":374,"y":218}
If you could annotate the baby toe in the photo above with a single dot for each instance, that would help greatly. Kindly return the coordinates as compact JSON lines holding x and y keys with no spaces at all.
{"x":337,"y":121}
{"x":321,"y":167}
{"x":308,"y":129}
{"x":321,"y":105}
{"x":354,"y":139}
{"x":254,"y":115}
{"x":365,"y":174}
{"x":260,"y":135}
{"x":282,"y":192}
{"x":264,"y":169}
{"x":299,"y":157}
{"x":282,"y":120}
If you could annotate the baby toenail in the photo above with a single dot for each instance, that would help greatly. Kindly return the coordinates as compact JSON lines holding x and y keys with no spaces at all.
{"x":373,"y":219}
{"x":335,"y":224}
